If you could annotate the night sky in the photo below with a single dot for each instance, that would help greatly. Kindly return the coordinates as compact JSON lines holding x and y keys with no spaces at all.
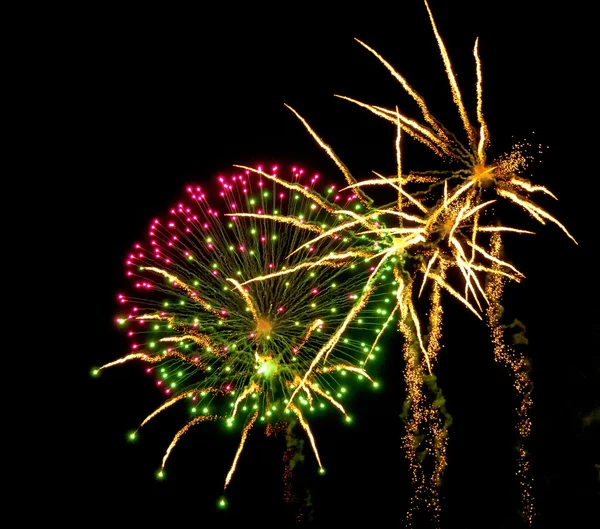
{"x":159,"y":100}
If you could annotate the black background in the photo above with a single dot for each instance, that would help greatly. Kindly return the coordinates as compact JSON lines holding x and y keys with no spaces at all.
{"x":156,"y":99}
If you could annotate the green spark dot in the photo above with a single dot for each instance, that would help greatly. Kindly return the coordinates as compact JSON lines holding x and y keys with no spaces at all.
{"x":321,"y":471}
{"x":160,"y":474}
{"x":222,"y":503}
{"x":95,"y":372}
{"x":205,"y":410}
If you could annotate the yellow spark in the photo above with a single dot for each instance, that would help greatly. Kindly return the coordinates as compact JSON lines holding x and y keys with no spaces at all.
{"x":246,"y":297}
{"x":200,"y":339}
{"x":443,"y":283}
{"x":315,"y":325}
{"x":293,"y":187}
{"x":379,"y":334}
{"x":347,"y":367}
{"x":181,"y":432}
{"x":279,"y":218}
{"x":504,"y":228}
{"x":161,"y":408}
{"x":469,"y":272}
{"x":331,"y":343}
{"x":240,"y":448}
{"x":483,"y":129}
{"x":429,"y":265}
{"x":319,"y":391}
{"x":459,"y":217}
{"x":247,"y":391}
{"x":186,"y":288}
{"x":304,"y":425}
{"x":349,"y":178}
{"x":417,"y":325}
{"x":536,"y":211}
{"x":492,"y":258}
{"x":133,"y":356}
{"x":419,"y":100}
{"x":411,"y":127}
{"x":406,"y":195}
{"x":401,"y":214}
{"x":453,"y":84}
{"x":476,"y":209}
{"x":528,"y":186}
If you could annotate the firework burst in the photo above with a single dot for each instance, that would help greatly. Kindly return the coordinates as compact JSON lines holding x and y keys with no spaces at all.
{"x":443,"y":231}
{"x":237,"y":319}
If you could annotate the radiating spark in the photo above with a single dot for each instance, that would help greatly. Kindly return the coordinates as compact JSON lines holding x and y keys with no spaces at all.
{"x":528,"y":186}
{"x":180,"y":433}
{"x":349,"y":178}
{"x":453,"y":84}
{"x":308,"y":431}
{"x":429,"y":265}
{"x":240,"y":448}
{"x":536,"y":211}
{"x":483,"y":129}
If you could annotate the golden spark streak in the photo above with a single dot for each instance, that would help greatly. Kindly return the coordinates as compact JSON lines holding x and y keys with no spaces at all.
{"x":353,"y":369}
{"x":536,"y":211}
{"x":483,"y":129}
{"x":379,"y":335}
{"x":402,"y":215}
{"x":304,"y":424}
{"x":154,"y":317}
{"x":455,"y":293}
{"x":186,"y":288}
{"x":279,"y":218}
{"x":447,"y":201}
{"x":504,"y":228}
{"x":492,"y":258}
{"x":470,"y":273}
{"x":342,"y":167}
{"x":406,"y":195}
{"x":459,"y":217}
{"x":398,"y":159}
{"x":429,"y":265}
{"x":163,"y":407}
{"x":330,"y":232}
{"x":417,"y":325}
{"x":336,"y":336}
{"x":296,"y":268}
{"x":530,"y":187}
{"x":200,"y":339}
{"x":293,"y":187}
{"x":477,"y":208}
{"x":319,"y":391}
{"x":315,"y":325}
{"x":134,"y":356}
{"x":240,"y":448}
{"x":247,"y":390}
{"x":393,"y":231}
{"x":246,"y":297}
{"x":411,"y":127}
{"x":180,"y":433}
{"x":466,"y":272}
{"x":453,"y":84}
{"x":418,"y":99}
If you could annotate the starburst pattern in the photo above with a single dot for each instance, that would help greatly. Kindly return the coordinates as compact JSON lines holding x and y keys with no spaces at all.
{"x":235,"y":322}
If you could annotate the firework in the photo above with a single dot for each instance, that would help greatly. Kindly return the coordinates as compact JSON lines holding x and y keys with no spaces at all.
{"x":238,"y":320}
{"x":442,"y":235}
